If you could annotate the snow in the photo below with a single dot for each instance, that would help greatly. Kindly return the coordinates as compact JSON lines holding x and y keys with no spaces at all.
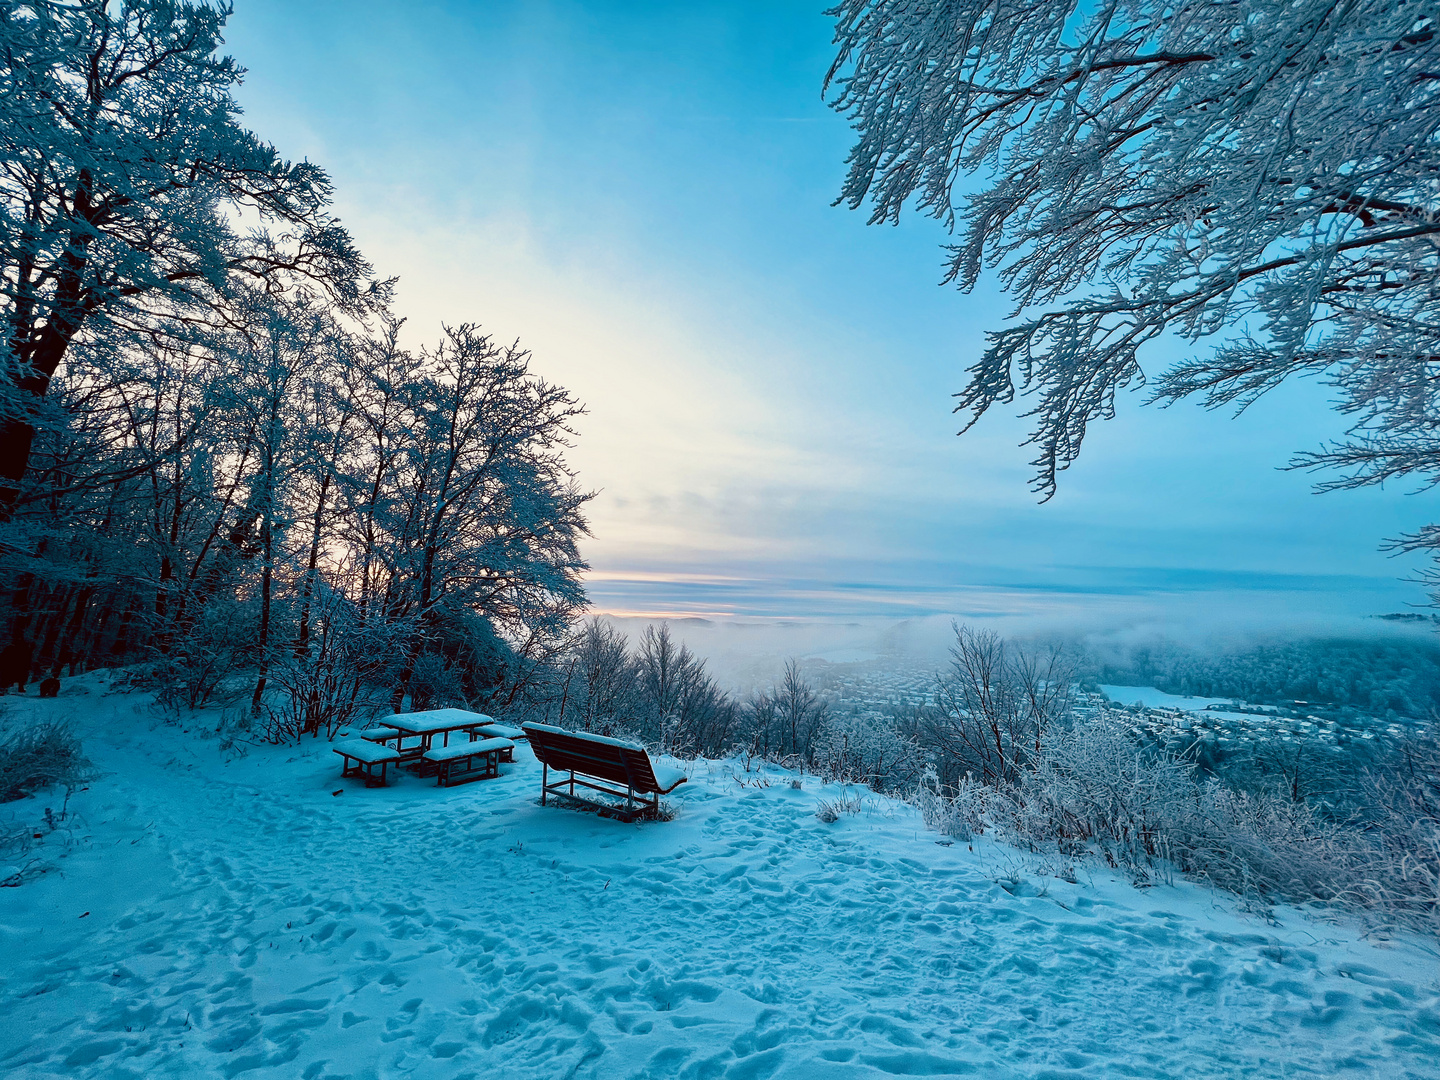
{"x":1158,"y":699}
{"x":667,"y":776}
{"x":434,"y":720}
{"x":214,"y":918}
{"x":1152,"y":698}
{"x":501,"y":731}
{"x":363,"y":750}
{"x":591,"y":736}
{"x":374,"y":734}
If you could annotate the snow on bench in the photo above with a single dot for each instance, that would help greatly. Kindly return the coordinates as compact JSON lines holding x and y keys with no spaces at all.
{"x":501,"y":731}
{"x":366,"y":755}
{"x":621,"y":769}
{"x":456,"y":763}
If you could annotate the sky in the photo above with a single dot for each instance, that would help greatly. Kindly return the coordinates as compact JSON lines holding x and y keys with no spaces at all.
{"x":642,"y":194}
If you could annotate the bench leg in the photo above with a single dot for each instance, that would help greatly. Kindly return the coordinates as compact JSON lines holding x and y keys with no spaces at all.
{"x":544,"y":782}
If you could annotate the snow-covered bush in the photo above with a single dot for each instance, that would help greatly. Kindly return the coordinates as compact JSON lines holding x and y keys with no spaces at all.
{"x":1093,"y":786}
{"x":866,"y":748}
{"x":960,"y":814}
{"x":195,"y":665}
{"x":1263,"y":843}
{"x":40,"y":755}
{"x":1096,"y":789}
{"x":1403,"y":824}
{"x":847,"y":802}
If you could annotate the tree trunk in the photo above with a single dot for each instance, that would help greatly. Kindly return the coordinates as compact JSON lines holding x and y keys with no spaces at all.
{"x":267,"y":534}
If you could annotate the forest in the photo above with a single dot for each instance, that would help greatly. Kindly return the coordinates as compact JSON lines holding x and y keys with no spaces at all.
{"x":1387,"y":678}
{"x":220,"y":463}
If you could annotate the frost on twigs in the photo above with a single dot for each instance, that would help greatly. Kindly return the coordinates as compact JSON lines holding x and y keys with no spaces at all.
{"x":848,"y":801}
{"x":1260,"y":174}
{"x":40,"y":755}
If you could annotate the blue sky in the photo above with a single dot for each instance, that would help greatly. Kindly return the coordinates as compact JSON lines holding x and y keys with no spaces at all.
{"x":641,"y":193}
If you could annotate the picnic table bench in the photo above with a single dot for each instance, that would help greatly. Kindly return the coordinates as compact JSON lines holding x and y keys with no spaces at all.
{"x":360,"y":758}
{"x":619,"y":769}
{"x":502,"y":731}
{"x":457,"y":763}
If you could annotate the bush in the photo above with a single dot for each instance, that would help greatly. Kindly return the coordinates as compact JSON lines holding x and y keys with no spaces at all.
{"x":847,"y":802}
{"x":38,"y":756}
{"x":1095,"y":789}
{"x":865,"y":749}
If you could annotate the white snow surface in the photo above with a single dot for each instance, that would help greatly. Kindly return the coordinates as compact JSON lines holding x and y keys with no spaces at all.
{"x":213,"y":918}
{"x":1152,"y":698}
{"x":363,"y":750}
{"x":434,"y":720}
{"x":1158,"y":699}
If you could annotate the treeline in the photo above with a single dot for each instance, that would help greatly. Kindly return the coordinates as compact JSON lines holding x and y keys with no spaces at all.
{"x":1386,"y":679}
{"x":218,"y":464}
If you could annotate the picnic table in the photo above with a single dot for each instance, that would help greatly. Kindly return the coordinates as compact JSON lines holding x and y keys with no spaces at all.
{"x":424,"y":726}
{"x":410,"y":739}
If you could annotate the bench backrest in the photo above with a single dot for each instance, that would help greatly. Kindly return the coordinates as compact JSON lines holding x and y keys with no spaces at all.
{"x":593,"y":755}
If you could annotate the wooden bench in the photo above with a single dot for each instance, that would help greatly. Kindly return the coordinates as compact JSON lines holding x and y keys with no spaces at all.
{"x":365,"y":755}
{"x":500,"y":731}
{"x":456,"y":763}
{"x":619,"y":769}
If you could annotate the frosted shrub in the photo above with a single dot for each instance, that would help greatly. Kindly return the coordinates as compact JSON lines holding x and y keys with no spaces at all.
{"x":1402,"y":876}
{"x":1261,"y":843}
{"x":961,"y":814}
{"x":330,"y":684}
{"x":1094,"y":786}
{"x":196,"y":666}
{"x":38,"y":756}
{"x":847,"y":802}
{"x":865,"y":749}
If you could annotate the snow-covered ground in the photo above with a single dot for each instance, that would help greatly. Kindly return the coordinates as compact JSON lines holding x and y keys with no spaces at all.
{"x":1158,"y":699}
{"x":1152,"y":698}
{"x":207,"y":918}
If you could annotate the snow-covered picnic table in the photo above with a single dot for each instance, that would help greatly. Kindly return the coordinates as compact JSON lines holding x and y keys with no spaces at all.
{"x":425,"y":725}
{"x":409,"y":739}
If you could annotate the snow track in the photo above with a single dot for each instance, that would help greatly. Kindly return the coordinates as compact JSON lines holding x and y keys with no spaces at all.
{"x":246,"y":923}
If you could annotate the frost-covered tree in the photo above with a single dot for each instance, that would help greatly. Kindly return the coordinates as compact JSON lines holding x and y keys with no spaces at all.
{"x":994,"y":707}
{"x":460,"y":500}
{"x":679,"y":705}
{"x":131,"y":197}
{"x":1265,"y":174}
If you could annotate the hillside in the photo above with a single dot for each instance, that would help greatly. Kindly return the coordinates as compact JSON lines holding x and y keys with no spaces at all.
{"x":235,"y":918}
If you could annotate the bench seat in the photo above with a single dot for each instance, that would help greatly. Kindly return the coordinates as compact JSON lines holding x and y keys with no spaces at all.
{"x":457,"y":763}
{"x":365,"y":756}
{"x":612,"y":767}
{"x":499,"y":731}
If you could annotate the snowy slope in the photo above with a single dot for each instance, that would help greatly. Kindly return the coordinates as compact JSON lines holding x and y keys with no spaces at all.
{"x":243,"y":921}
